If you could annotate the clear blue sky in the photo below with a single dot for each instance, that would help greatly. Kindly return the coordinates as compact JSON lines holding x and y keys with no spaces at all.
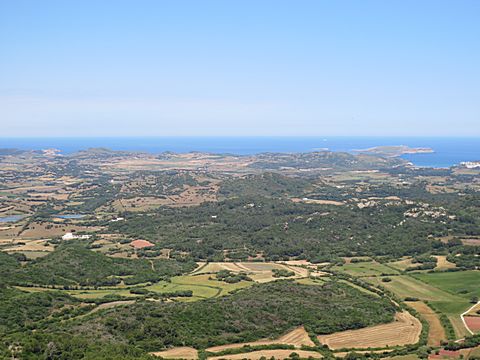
{"x":239,"y":67}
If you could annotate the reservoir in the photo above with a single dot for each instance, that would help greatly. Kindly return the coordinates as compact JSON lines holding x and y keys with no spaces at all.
{"x":11,"y":218}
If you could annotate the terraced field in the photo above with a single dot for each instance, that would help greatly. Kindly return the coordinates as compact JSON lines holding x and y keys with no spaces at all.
{"x":297,"y":338}
{"x":404,"y":330}
{"x":277,"y":354}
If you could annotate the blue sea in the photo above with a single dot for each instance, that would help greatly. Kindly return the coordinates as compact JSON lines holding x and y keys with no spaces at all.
{"x":447,"y":151}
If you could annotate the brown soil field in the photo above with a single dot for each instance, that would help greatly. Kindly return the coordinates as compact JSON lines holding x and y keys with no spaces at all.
{"x":443,"y":263}
{"x":473,"y":323}
{"x":297,"y":338}
{"x":436,"y":333}
{"x":445,"y":354}
{"x":402,"y":264}
{"x":187,"y":353}
{"x":404,"y":330}
{"x":471,"y":242}
{"x":277,"y":354}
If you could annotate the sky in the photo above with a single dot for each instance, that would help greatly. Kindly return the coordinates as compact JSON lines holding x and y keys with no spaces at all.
{"x":239,"y":68}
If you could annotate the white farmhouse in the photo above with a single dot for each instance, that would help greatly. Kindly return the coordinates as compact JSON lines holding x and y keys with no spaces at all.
{"x":70,"y":236}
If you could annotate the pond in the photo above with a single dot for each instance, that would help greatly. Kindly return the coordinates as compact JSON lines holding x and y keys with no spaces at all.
{"x":70,"y":216}
{"x":11,"y":218}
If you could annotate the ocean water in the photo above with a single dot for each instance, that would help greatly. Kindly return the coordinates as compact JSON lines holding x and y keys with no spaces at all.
{"x":447,"y":151}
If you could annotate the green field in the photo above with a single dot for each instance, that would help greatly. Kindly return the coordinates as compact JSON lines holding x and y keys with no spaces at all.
{"x":444,"y":301}
{"x":462,"y":283}
{"x":372,"y":268}
{"x":407,"y":286}
{"x":201,"y":285}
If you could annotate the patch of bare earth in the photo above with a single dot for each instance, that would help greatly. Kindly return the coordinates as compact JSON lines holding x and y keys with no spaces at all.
{"x":443,"y":263}
{"x":112,"y":304}
{"x":404,"y":330}
{"x":471,"y":242}
{"x":297,"y":338}
{"x":184,"y":352}
{"x":318,"y":201}
{"x":473,"y":323}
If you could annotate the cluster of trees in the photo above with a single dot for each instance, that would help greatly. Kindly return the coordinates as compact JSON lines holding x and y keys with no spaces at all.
{"x":249,"y":225}
{"x":231,"y":277}
{"x":425,"y":262}
{"x":265,"y":310}
{"x":468,"y":342}
{"x":29,"y":321}
{"x":71,"y":264}
{"x":266,"y":184}
{"x":277,"y":273}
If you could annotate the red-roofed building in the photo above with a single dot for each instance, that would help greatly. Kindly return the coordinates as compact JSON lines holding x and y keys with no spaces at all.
{"x":141,"y":244}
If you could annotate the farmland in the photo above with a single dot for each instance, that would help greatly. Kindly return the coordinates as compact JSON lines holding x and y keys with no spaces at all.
{"x":246,"y":256}
{"x":442,"y":298}
{"x":436,"y":331}
{"x":296,"y":338}
{"x":404,"y":330}
{"x":464,"y":284}
{"x":365,"y":269}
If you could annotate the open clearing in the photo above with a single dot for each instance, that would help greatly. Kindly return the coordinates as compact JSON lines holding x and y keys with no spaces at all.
{"x":277,"y":354}
{"x":407,"y":286}
{"x":203,"y":286}
{"x":187,"y":353}
{"x":297,"y":338}
{"x":450,"y":304}
{"x":402,"y":264}
{"x":436,"y":332}
{"x":110,"y":305}
{"x":443,"y":263}
{"x":258,"y":271}
{"x":370,"y":268}
{"x":403,"y":331}
{"x":463,"y":283}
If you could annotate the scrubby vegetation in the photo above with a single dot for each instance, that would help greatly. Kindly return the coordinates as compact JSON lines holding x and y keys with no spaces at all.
{"x":72,"y":264}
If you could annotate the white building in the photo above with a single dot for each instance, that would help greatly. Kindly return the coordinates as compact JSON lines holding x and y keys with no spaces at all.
{"x":70,"y":236}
